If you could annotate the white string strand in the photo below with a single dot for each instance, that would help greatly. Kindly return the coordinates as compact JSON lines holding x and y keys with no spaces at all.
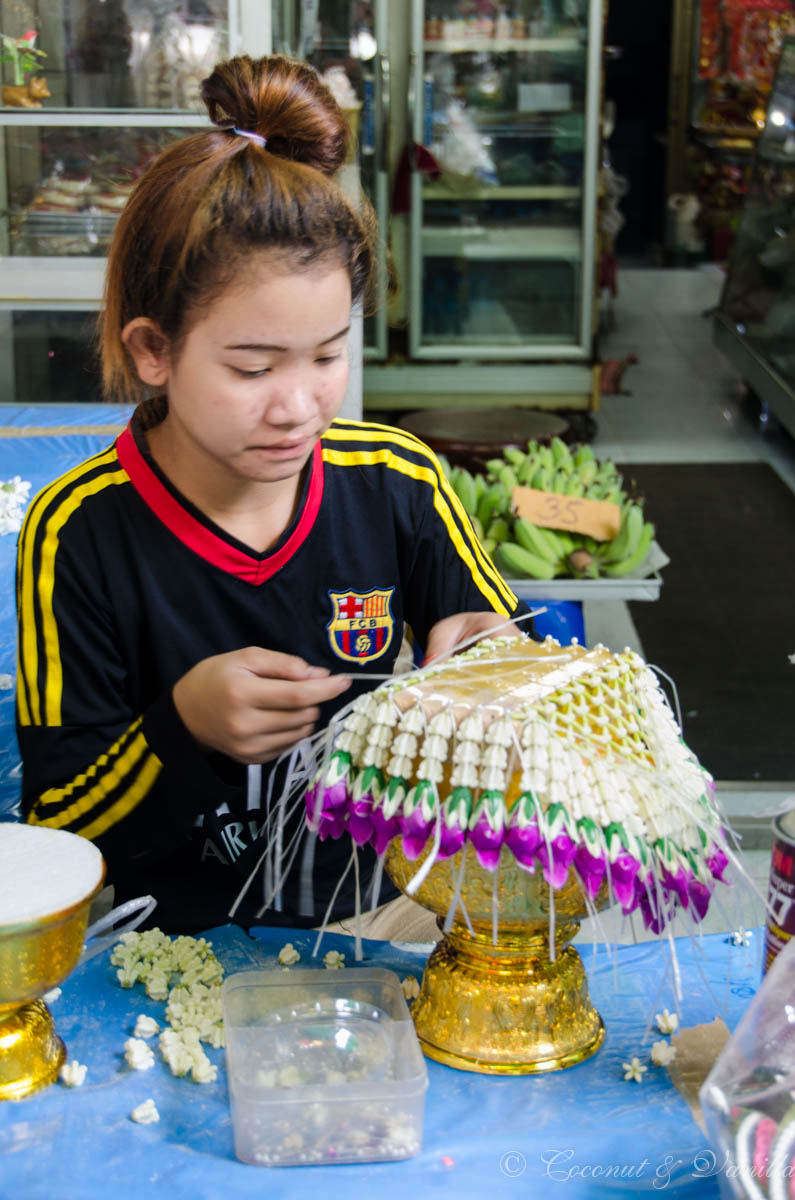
{"x":332,"y":902}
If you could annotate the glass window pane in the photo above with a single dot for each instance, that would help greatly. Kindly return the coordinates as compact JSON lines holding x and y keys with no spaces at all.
{"x":49,"y":357}
{"x":122,"y":53}
{"x":66,"y":186}
{"x":501,"y":303}
{"x":758,"y":292}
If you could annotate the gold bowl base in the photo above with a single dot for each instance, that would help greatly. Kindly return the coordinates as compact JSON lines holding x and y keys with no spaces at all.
{"x":505,"y":1008}
{"x":31,"y":1053}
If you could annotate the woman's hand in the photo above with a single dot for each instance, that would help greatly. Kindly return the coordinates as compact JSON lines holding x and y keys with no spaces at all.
{"x":449,"y":632}
{"x":253,"y":704}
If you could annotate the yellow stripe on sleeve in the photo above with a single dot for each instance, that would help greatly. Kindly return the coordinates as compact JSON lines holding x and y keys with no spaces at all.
{"x":27,"y":575}
{"x":429,"y":476}
{"x":364,"y":433}
{"x":144,"y":783}
{"x":137,"y":750}
{"x":39,"y":585}
{"x":76,"y":785}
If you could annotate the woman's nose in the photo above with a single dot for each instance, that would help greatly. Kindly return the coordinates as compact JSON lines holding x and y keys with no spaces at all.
{"x":293,"y":400}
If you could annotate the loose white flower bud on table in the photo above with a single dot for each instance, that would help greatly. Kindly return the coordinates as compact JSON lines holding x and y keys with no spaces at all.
{"x":138,"y":1054}
{"x":146,"y":1027}
{"x":667,"y":1022}
{"x":73,"y":1073}
{"x":146,"y":1113}
{"x":662,"y":1053}
{"x":288,"y":955}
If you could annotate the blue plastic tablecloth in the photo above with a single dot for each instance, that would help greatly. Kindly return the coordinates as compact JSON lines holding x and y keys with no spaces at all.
{"x":38,"y":444}
{"x":577,"y":1133}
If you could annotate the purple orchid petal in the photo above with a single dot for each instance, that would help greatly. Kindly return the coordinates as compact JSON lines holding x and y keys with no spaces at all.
{"x":416,"y":829}
{"x":523,"y":842}
{"x":360,"y":819}
{"x":700,"y":897}
{"x":654,"y":917}
{"x":677,"y":882}
{"x":591,"y":869}
{"x":383,"y":829}
{"x":336,"y":794}
{"x":487,"y":842}
{"x":456,"y":812}
{"x":556,"y":858}
{"x":623,"y":873}
{"x":452,"y":839}
{"x":717,"y":862}
{"x":331,"y":825}
{"x":414,"y":844}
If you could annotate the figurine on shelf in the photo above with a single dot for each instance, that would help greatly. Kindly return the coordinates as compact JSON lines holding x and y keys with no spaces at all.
{"x":22,"y":54}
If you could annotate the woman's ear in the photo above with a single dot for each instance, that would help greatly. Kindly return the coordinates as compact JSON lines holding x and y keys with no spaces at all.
{"x":148,"y":348}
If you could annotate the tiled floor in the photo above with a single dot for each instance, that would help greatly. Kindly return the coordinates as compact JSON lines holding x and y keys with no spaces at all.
{"x":686,"y":405}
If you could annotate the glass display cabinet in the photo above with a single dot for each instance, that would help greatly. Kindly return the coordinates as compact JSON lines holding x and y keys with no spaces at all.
{"x":755,"y":321}
{"x":496,"y":253}
{"x":502,"y":232}
{"x":723,"y":59}
{"x":123,"y":78}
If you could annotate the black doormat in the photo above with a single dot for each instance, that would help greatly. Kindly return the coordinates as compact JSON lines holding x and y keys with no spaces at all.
{"x":724,"y":626}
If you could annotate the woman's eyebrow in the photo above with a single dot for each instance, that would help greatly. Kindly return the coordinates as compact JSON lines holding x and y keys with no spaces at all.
{"x":266,"y":346}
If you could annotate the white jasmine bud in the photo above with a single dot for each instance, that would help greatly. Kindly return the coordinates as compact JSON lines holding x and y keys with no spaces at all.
{"x":73,"y":1073}
{"x":146,"y":1113}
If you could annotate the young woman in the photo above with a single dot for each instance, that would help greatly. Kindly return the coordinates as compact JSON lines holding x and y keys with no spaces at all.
{"x":202,"y":594}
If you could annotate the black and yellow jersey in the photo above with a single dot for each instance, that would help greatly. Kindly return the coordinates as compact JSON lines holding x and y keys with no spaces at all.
{"x":123,"y":585}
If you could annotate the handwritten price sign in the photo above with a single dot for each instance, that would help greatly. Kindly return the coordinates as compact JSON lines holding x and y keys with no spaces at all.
{"x":597,"y":518}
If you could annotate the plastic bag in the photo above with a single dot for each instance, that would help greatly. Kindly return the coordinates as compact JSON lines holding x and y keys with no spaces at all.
{"x":748,"y":1098}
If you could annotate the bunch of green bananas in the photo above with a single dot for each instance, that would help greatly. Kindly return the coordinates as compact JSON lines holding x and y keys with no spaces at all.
{"x":522,"y":550}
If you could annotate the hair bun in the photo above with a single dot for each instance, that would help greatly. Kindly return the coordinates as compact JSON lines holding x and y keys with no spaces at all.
{"x":283,"y":100}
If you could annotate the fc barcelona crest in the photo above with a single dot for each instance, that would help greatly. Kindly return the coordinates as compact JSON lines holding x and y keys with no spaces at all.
{"x":362,"y":625}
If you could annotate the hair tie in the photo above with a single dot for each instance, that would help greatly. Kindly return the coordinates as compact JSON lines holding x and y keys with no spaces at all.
{"x":255,"y":137}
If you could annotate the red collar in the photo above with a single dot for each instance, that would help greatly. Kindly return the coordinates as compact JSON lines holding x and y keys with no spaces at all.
{"x":201,"y":540}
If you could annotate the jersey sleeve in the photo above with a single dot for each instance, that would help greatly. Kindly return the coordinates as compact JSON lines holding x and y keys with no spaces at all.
{"x":93,"y":761}
{"x":450,"y":571}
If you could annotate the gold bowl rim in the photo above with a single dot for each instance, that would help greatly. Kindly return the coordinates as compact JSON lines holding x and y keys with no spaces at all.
{"x":10,"y":930}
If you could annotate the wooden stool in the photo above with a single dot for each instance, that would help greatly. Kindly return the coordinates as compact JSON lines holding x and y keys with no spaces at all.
{"x":470,"y":437}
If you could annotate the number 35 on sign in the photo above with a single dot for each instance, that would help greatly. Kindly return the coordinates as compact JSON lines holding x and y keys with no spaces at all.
{"x":599,"y":519}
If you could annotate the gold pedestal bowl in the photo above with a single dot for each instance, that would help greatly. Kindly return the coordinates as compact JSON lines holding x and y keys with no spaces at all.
{"x":496,"y":999}
{"x":35,"y":956}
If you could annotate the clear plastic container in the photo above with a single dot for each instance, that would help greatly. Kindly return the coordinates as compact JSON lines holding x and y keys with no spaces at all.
{"x":748,"y":1098}
{"x":323,"y":1067}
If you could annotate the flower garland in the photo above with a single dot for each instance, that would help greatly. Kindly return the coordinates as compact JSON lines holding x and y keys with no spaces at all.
{"x":14,"y":496}
{"x":564,"y":758}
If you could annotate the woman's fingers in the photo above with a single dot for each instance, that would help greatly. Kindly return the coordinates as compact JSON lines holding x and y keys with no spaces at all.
{"x":253,"y":704}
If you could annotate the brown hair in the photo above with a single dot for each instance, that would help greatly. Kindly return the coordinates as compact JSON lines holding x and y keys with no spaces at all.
{"x":210,"y":201}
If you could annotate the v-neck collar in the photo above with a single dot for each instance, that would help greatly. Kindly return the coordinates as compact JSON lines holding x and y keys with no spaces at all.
{"x":213,"y":545}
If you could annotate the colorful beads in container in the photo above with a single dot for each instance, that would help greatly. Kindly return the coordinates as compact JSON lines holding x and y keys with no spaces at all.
{"x":565,"y":758}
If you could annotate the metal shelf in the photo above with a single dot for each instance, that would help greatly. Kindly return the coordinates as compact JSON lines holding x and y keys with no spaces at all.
{"x":501,"y":192}
{"x":479,"y":45}
{"x":480,"y":241}
{"x":588,"y":589}
{"x":126,"y":118}
{"x":68,"y":283}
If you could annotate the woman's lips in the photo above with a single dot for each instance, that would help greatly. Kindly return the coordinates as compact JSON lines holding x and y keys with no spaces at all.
{"x":285,"y":449}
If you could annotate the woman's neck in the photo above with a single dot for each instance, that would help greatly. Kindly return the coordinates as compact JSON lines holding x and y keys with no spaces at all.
{"x":254,"y":512}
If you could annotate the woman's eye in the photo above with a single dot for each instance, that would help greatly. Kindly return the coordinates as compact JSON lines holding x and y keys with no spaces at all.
{"x":251,"y":374}
{"x":327,"y":358}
